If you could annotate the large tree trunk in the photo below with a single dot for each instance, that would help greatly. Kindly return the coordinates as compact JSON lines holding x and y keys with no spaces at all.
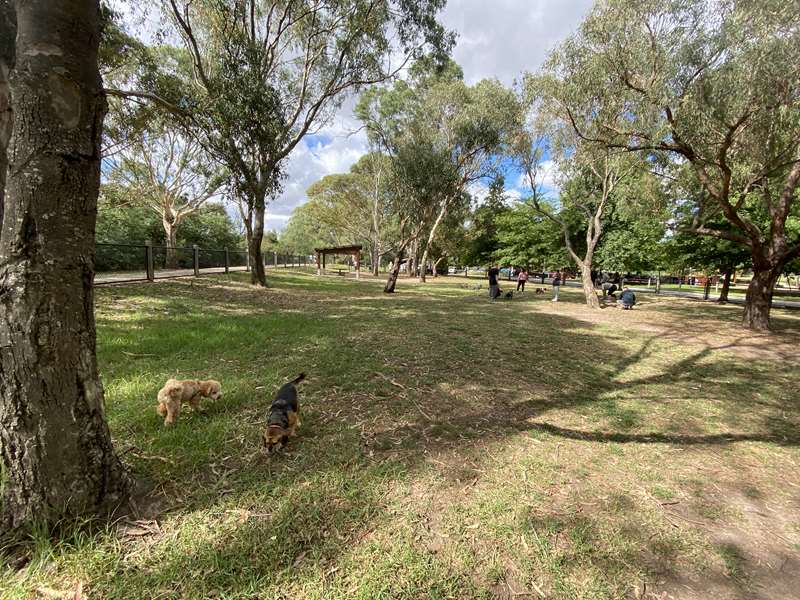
{"x":7,"y":36}
{"x":255,"y":235}
{"x":394,"y":271}
{"x":171,"y":234}
{"x":56,"y":447}
{"x":588,"y":285}
{"x":759,"y":297}
{"x":726,"y":286}
{"x":436,"y":265}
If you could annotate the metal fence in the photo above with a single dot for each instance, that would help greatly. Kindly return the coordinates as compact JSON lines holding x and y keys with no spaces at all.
{"x":119,"y":263}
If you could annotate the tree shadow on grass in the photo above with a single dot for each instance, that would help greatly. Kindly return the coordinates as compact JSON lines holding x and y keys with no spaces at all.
{"x":401,"y":377}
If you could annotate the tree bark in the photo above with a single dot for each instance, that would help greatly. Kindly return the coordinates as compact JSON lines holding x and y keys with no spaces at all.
{"x":255,"y":235}
{"x":726,"y":286}
{"x":436,"y":265}
{"x":759,"y":298}
{"x":171,"y":232}
{"x":391,"y":282}
{"x":588,"y":285}
{"x":7,"y":35}
{"x":58,"y":459}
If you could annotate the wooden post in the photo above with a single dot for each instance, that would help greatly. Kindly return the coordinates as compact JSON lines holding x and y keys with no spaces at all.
{"x":658,"y":283}
{"x":324,"y":256}
{"x":275,"y":259}
{"x":148,"y":257}
{"x":196,"y":252}
{"x":358,"y":264}
{"x":227,"y":261}
{"x":319,"y":267}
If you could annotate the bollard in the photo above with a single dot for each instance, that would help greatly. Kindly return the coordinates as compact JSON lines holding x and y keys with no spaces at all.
{"x":196,"y":252}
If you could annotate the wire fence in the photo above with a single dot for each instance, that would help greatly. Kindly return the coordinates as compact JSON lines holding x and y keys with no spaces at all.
{"x":125,"y":262}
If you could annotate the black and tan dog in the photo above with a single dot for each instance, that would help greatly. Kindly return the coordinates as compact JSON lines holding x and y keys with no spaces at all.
{"x":283,"y":416}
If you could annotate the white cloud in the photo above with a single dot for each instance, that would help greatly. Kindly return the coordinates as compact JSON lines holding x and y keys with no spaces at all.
{"x":502,"y":41}
{"x":510,"y":36}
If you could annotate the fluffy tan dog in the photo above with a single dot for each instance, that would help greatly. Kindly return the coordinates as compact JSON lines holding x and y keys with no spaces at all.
{"x":175,"y":392}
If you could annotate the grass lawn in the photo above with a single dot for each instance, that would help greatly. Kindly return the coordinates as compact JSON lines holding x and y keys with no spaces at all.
{"x":450,"y":448}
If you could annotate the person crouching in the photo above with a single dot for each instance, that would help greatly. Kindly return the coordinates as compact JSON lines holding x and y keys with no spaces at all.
{"x":626,"y":299}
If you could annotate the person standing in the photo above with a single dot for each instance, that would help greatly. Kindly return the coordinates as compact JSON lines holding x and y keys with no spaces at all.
{"x":557,"y":279}
{"x":494,"y":289}
{"x":522,"y":277}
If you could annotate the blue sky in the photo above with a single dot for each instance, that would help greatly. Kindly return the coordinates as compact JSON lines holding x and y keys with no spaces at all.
{"x":503,"y":41}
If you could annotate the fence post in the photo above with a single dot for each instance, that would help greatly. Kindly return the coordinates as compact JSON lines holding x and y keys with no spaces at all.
{"x":148,"y":258}
{"x":196,"y":253}
{"x":227,"y":261}
{"x":275,"y":259}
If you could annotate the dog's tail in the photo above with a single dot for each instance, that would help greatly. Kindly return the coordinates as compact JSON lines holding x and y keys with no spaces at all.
{"x":299,"y":378}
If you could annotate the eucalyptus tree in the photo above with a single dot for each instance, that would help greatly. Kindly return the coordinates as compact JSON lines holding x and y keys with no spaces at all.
{"x":589,"y":174}
{"x":170,"y":174}
{"x":526,"y":238}
{"x":266,"y":73}
{"x":442,"y":135}
{"x":357,"y":205}
{"x":304,"y":232}
{"x":57,"y":456}
{"x":482,"y":235}
{"x":715,"y":85}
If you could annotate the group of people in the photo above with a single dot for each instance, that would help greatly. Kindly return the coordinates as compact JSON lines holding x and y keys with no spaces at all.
{"x":522,"y":276}
{"x":609,"y":285}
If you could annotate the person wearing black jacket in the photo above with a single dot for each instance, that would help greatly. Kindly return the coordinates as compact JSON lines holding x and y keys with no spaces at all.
{"x":494,"y":288}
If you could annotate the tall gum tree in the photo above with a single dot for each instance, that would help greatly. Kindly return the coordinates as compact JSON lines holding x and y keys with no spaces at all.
{"x":442,"y":136}
{"x":269,"y":72}
{"x":170,"y":174}
{"x":590,"y":171}
{"x":55,"y":443}
{"x":715,"y":85}
{"x":355,"y":205}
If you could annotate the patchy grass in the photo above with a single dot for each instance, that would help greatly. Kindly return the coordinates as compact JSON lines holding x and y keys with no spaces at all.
{"x":450,"y":448}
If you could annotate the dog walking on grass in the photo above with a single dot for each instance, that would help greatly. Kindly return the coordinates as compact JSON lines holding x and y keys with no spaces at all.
{"x":283,"y":416}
